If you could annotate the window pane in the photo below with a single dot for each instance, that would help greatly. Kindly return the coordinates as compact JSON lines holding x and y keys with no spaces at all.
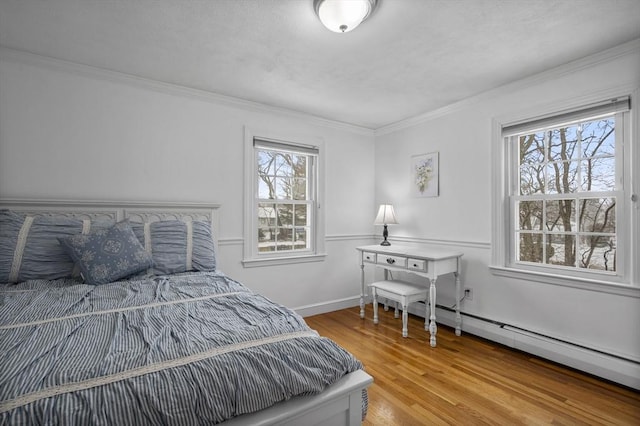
{"x":301,"y":215}
{"x":266,"y":187}
{"x":266,"y":214}
{"x":299,"y":189}
{"x":530,"y":215}
{"x":285,"y":239}
{"x":300,"y":239}
{"x":285,"y":215}
{"x":598,"y":138}
{"x":299,"y":166}
{"x":266,"y":162}
{"x":562,"y":177}
{"x":561,"y":215}
{"x":530,"y":247}
{"x":283,"y":188}
{"x":532,"y":148}
{"x":283,"y":165}
{"x":598,"y":252}
{"x":598,"y":174}
{"x":531,"y":180}
{"x":563,"y":143}
{"x":598,"y":215}
{"x":266,"y":239}
{"x":561,"y":249}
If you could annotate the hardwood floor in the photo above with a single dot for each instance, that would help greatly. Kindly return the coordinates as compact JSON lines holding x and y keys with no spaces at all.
{"x":467,"y":380}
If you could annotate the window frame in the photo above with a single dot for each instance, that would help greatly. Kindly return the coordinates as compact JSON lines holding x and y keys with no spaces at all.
{"x":504,"y":179}
{"x":252,"y":257}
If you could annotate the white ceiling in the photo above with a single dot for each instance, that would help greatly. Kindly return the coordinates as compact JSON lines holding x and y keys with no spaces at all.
{"x":409,"y":58}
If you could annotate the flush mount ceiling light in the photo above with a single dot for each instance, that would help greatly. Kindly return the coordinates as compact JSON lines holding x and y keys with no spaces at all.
{"x":342,"y":16}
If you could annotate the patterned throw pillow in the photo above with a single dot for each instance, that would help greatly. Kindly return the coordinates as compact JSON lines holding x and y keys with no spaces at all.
{"x":107,"y":255}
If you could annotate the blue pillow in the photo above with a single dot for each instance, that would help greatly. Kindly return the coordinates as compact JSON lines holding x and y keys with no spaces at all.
{"x":29,"y":248}
{"x":107,"y":255}
{"x":178,"y":246}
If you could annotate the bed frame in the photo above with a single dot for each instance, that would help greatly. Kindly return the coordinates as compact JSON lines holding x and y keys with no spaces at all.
{"x":340,"y":404}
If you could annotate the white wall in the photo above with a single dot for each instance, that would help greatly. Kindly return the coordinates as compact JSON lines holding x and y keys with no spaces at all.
{"x":461,"y":216}
{"x":72,"y":132}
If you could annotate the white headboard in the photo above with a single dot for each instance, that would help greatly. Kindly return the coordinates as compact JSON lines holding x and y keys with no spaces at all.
{"x":118,"y":210}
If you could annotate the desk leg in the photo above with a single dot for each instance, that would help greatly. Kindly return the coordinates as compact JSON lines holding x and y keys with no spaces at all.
{"x":458,"y":316}
{"x":426,"y":315}
{"x":375,"y":306}
{"x":433,"y":328}
{"x":362,"y":294}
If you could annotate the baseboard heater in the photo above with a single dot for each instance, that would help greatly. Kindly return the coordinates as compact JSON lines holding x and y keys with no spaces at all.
{"x":608,"y":366}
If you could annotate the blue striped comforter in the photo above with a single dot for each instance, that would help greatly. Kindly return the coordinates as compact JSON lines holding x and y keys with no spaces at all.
{"x":184,"y":349}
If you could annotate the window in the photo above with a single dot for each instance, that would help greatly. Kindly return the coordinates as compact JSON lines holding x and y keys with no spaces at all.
{"x":283,"y":215}
{"x":566,"y":194}
{"x":564,"y":206}
{"x":285,"y":182}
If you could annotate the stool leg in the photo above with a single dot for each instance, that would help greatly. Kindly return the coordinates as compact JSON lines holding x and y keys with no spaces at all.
{"x":405,"y":318}
{"x":375,"y":306}
{"x":426,"y":315}
{"x":396,"y":314}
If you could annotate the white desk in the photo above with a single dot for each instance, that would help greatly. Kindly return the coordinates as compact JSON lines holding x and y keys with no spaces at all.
{"x":426,"y":262}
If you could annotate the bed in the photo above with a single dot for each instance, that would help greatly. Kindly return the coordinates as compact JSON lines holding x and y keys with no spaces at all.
{"x":173,"y":342}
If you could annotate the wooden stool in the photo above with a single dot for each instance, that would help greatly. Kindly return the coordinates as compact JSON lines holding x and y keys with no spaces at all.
{"x":401,"y":292}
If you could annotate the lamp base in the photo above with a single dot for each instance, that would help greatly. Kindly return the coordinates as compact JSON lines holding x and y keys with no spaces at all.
{"x":385,"y":234}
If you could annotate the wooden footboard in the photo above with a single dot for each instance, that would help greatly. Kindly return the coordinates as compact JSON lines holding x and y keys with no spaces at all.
{"x":340,"y":404}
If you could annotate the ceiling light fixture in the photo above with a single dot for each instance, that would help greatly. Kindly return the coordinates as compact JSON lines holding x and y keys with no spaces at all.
{"x":342,"y":16}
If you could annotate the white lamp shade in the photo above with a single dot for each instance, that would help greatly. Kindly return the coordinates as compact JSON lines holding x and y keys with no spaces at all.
{"x":386,"y":215}
{"x":342,"y":16}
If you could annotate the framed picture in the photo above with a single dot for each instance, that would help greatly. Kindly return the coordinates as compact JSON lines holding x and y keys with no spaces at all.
{"x":424,"y":175}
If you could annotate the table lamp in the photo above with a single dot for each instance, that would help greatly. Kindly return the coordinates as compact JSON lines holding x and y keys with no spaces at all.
{"x":386,"y":216}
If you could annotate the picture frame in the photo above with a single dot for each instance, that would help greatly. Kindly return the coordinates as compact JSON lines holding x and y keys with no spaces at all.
{"x":425,"y":175}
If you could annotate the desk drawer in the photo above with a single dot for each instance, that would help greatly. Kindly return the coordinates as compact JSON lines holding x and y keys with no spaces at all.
{"x":397,"y":261}
{"x":368,"y":257}
{"x":417,"y":265}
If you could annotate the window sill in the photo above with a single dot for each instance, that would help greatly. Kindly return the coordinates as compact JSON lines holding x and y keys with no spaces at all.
{"x":568,"y":281}
{"x":285,"y":260}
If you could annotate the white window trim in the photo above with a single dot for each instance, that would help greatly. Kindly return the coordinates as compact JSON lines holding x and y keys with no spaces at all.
{"x":251,"y":257}
{"x":629,"y":285}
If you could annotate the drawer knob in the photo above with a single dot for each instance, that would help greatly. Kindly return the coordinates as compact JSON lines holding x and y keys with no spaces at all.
{"x":415,"y":265}
{"x":391,"y":261}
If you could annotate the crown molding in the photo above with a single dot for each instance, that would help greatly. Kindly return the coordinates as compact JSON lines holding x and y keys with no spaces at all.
{"x":25,"y":57}
{"x":604,"y":56}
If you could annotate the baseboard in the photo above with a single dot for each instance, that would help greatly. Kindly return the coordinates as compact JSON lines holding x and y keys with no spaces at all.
{"x":330,"y":306}
{"x":609,"y":367}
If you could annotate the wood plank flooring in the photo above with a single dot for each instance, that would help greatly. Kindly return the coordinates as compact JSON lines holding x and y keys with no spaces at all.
{"x":467,"y":380}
